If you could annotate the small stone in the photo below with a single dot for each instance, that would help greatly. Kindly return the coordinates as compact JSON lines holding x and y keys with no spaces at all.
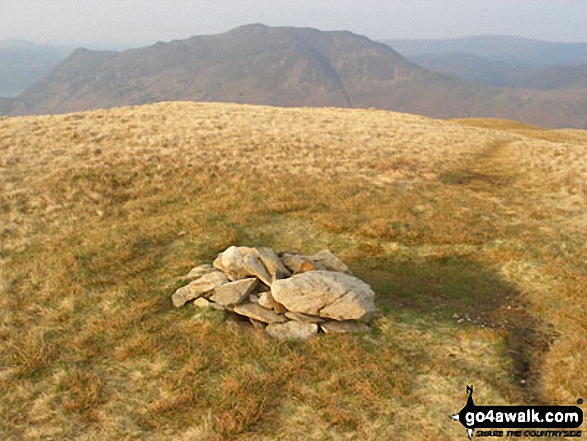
{"x":253,"y":298}
{"x":199,"y":271}
{"x":331,"y":262}
{"x":201,"y":302}
{"x":299,"y":264}
{"x":264,"y":300}
{"x":345,"y":327}
{"x":303,"y":318}
{"x":292,"y":330}
{"x":233,"y":293}
{"x":196,"y":288}
{"x":258,"y":312}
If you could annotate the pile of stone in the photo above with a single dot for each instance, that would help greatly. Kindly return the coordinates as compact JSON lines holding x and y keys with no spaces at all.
{"x":290,"y":295}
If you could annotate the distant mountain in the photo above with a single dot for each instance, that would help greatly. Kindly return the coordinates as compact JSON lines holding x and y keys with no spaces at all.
{"x":23,"y":63}
{"x":511,"y":50}
{"x":283,"y":66}
{"x":500,"y":74}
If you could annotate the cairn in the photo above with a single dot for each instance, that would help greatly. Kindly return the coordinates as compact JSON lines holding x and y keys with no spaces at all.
{"x":289,"y":295}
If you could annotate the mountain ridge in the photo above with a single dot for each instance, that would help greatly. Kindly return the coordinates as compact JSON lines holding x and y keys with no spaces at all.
{"x":284,"y":67}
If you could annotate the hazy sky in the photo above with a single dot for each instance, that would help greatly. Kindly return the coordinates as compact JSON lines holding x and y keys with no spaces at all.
{"x":141,"y":22}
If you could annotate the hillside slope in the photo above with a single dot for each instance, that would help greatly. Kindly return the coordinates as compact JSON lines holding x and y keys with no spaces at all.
{"x":257,"y":64}
{"x":471,"y":233}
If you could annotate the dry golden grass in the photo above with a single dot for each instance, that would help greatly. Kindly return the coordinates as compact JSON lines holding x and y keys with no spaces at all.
{"x":472,"y":233}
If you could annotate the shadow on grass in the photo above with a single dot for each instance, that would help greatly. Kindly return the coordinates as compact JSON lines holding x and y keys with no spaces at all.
{"x":464,"y":291}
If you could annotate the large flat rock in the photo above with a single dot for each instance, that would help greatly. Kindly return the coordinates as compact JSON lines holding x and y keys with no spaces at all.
{"x":258,"y":312}
{"x":234,"y":293}
{"x":339,"y":295}
{"x":198,"y":287}
{"x":303,"y":318}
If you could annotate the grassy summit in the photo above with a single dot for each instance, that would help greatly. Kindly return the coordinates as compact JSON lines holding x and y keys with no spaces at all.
{"x":472,"y":233}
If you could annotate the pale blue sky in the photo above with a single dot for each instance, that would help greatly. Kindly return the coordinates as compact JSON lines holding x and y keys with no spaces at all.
{"x":142,"y":22}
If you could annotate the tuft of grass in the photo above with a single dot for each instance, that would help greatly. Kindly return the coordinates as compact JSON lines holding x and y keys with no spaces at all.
{"x":32,"y":353}
{"x":83,"y":392}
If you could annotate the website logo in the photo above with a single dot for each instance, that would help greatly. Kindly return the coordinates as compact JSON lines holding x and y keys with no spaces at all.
{"x":517,"y":418}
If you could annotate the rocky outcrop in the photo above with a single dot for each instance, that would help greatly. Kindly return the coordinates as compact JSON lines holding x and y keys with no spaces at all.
{"x":288,"y":295}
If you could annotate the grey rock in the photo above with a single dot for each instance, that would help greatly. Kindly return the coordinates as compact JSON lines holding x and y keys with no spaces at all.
{"x":233,"y":293}
{"x":196,"y":288}
{"x":258,"y":312}
{"x":264,"y":300}
{"x":292,"y":330}
{"x":344,"y":327}
{"x":345,"y":296}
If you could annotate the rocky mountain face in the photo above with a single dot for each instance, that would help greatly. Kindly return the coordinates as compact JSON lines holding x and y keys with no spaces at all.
{"x":288,"y":67}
